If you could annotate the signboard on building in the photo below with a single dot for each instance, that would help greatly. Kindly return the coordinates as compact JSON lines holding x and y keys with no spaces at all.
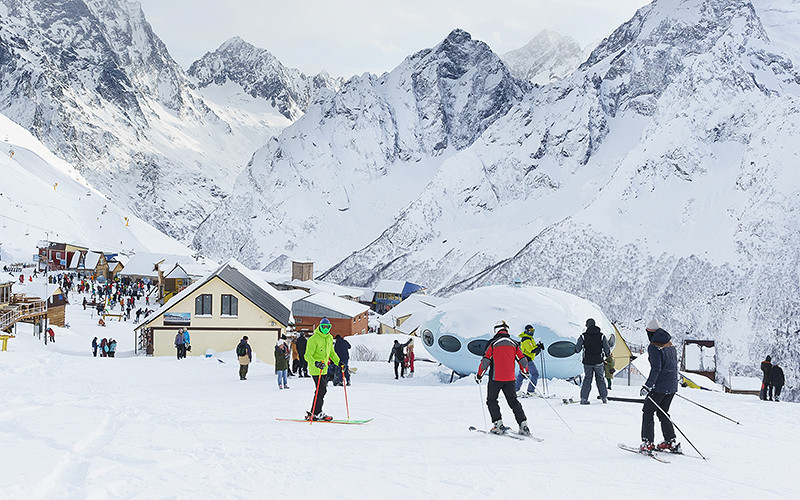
{"x":178,"y":319}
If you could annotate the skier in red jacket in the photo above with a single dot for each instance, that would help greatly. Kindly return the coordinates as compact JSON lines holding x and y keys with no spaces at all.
{"x":499,"y":358}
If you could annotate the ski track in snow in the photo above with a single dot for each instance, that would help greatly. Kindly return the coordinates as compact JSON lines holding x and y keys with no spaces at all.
{"x":74,"y":426}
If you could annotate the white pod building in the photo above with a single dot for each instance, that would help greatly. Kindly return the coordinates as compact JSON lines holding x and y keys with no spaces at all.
{"x":457,"y":331}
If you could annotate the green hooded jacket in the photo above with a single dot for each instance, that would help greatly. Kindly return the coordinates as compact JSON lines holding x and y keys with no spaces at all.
{"x":320,"y":348}
{"x":528,"y":346}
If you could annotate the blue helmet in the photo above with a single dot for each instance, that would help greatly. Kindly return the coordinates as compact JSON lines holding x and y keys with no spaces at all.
{"x":325,"y":321}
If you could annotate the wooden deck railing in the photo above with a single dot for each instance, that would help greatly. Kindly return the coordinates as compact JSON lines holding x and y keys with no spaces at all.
{"x":20,"y":311}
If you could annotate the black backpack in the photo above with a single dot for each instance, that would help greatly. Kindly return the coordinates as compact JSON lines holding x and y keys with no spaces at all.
{"x":241,"y":350}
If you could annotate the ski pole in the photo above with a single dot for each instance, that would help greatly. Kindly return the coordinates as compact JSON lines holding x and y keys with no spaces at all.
{"x":316,"y":393}
{"x":544,"y":375}
{"x":676,"y":427}
{"x":485,"y":423}
{"x":551,"y":407}
{"x":709,"y":409}
{"x":344,"y":384}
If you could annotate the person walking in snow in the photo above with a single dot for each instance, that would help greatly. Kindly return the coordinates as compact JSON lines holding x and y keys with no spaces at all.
{"x":187,"y":342}
{"x":319,"y":350}
{"x":180,"y":346}
{"x":245,"y":356}
{"x":295,"y":370}
{"x":766,"y":366}
{"x":342,"y":348}
{"x":593,"y":344}
{"x":608,"y":368}
{"x":282,"y":362}
{"x":499,"y":358}
{"x":398,"y":353}
{"x":409,"y":360}
{"x":84,"y":303}
{"x":776,"y":380}
{"x":112,"y":348}
{"x":302,"y":341}
{"x":659,"y":388}
{"x":94,"y":347}
{"x":103,"y":347}
{"x":530,"y":348}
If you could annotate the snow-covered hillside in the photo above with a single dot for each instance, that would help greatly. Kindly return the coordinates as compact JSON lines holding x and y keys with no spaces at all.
{"x":337,"y":177}
{"x":42,"y":196}
{"x":139,"y":427}
{"x":548,"y":57}
{"x":92,"y":81}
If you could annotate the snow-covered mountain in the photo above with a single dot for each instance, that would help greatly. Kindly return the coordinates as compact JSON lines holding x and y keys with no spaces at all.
{"x":42,"y":196}
{"x":260,"y":74}
{"x":92,"y":81}
{"x":656,"y":180}
{"x":550,"y":56}
{"x":335,"y":179}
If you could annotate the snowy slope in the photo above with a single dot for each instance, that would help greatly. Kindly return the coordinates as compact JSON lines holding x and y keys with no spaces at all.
{"x":43,"y":196}
{"x":137,"y":427}
{"x":92,"y":81}
{"x":548,"y":57}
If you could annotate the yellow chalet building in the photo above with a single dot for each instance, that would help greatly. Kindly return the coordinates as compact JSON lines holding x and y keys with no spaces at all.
{"x":218,"y":311}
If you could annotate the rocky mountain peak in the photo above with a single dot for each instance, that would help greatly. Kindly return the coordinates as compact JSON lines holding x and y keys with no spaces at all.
{"x":549,"y":56}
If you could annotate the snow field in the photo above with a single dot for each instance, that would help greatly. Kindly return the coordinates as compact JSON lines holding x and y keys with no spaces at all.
{"x":73,"y":426}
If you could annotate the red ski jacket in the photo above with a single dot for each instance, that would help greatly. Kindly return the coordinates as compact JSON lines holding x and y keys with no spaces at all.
{"x":500,"y":355}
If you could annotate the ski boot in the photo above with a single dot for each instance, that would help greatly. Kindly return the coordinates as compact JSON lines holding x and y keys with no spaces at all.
{"x":669,"y":446}
{"x":498,"y":428}
{"x":646,"y":447}
{"x":321,"y":416}
{"x":523,"y":428}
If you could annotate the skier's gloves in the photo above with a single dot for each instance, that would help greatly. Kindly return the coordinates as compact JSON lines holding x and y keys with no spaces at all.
{"x":541,"y":345}
{"x":319,"y":364}
{"x":477,"y":379}
{"x":645,"y":391}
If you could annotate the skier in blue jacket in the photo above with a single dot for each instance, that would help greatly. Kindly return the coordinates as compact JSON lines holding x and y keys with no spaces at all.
{"x":659,"y":389}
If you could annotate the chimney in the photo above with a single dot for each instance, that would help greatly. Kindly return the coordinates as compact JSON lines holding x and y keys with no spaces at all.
{"x":302,"y":270}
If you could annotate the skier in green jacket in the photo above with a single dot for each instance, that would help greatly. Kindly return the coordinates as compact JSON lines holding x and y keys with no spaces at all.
{"x":319,"y":350}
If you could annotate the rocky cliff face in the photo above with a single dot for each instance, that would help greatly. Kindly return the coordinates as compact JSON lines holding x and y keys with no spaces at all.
{"x":260,"y":75}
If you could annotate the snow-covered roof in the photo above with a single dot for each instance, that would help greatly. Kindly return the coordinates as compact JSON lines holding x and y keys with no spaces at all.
{"x":36,"y":288}
{"x":701,"y":380}
{"x":416,"y":306}
{"x":744,"y":383}
{"x":327,"y":302}
{"x":91,"y":260}
{"x":390,"y":286}
{"x":76,"y":259}
{"x":144,"y":264}
{"x":317,"y":286}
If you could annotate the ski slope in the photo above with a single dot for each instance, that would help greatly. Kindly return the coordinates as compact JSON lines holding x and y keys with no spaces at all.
{"x":44,"y":197}
{"x":73,"y":426}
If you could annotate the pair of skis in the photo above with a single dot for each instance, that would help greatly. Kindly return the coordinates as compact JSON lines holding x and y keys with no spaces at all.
{"x":654,"y":454}
{"x":352,"y":422}
{"x":518,"y":437}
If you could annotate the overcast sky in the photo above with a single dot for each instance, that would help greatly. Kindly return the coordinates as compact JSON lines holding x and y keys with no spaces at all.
{"x":348,"y":37}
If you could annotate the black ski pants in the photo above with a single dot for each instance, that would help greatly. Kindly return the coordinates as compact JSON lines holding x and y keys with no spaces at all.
{"x":401,"y":366}
{"x":649,"y":408}
{"x":509,"y":391}
{"x":319,"y":393}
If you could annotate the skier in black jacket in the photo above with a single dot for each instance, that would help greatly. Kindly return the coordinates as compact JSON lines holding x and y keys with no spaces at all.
{"x":399,"y":355}
{"x":302,"y":340}
{"x":594,"y":345}
{"x":766,"y":366}
{"x":659,"y":389}
{"x":776,"y":380}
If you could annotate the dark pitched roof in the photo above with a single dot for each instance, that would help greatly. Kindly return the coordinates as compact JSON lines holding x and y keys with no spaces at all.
{"x":254,"y":293}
